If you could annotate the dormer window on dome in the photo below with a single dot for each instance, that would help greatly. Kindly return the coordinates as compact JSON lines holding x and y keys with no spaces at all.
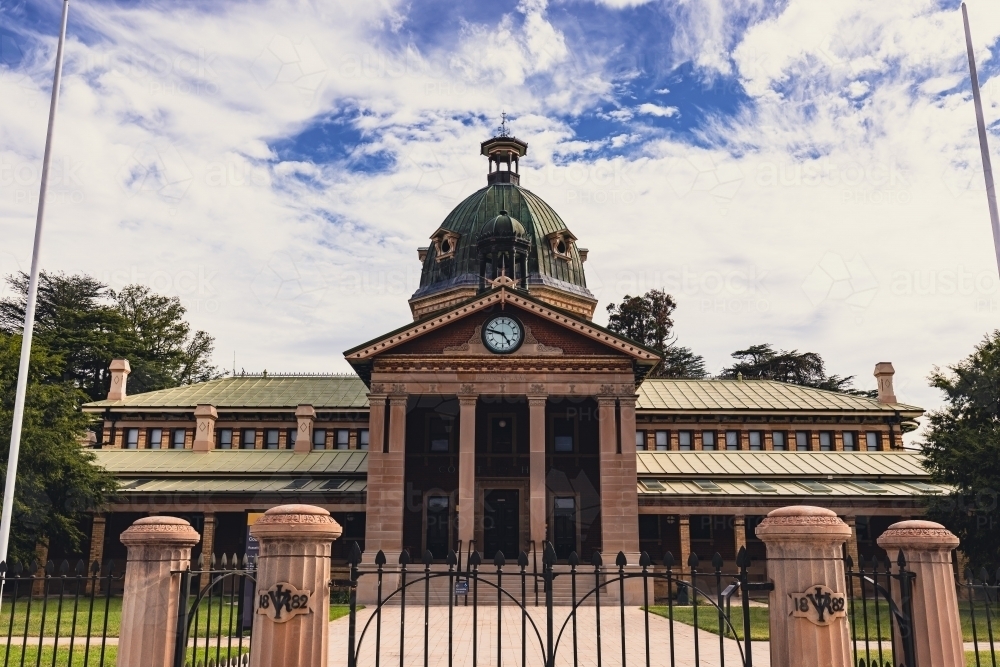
{"x":561,"y":243}
{"x":445,"y":242}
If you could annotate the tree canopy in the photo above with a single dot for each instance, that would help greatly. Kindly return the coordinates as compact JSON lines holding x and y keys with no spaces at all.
{"x":85,"y":325}
{"x":963,"y":450}
{"x":764,"y":362}
{"x":647,"y":319}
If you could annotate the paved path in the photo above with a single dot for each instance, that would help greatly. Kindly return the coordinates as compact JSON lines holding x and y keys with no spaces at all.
{"x":510,"y":639}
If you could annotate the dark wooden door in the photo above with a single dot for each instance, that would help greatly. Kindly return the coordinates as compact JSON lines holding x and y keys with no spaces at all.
{"x":501,"y":523}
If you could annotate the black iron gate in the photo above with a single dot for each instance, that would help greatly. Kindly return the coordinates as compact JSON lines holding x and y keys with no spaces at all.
{"x":875,"y":616}
{"x":214,"y":627}
{"x":544,"y":639}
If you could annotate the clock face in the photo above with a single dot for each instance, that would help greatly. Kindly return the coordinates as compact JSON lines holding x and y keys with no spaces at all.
{"x":503,"y":334}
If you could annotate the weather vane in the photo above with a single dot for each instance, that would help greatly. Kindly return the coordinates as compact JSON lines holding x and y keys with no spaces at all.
{"x":502,"y":130}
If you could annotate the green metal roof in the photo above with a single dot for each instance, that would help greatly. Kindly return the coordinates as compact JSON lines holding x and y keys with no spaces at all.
{"x":743,"y":395}
{"x":784,"y":488}
{"x":769,"y":465}
{"x":136,"y":463}
{"x":327,"y":392}
{"x":469,"y":217}
{"x":239,"y":485}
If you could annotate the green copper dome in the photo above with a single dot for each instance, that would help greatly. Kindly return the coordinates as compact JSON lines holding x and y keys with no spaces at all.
{"x":485,"y":211}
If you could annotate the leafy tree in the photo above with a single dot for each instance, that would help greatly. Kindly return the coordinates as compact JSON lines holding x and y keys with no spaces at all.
{"x":763,"y":362}
{"x":86,"y":325}
{"x":57,"y":480}
{"x":963,"y":450}
{"x":647,"y":320}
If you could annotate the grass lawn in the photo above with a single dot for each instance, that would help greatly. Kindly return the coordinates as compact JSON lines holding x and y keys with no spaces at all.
{"x":878,"y":623}
{"x":62,"y":656}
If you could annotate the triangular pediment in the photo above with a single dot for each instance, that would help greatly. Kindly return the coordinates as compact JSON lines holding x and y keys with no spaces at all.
{"x":549,"y":332}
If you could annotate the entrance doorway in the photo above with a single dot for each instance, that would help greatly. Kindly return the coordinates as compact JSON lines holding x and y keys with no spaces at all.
{"x":564,"y":534}
{"x":501,"y":523}
{"x":438,"y":523}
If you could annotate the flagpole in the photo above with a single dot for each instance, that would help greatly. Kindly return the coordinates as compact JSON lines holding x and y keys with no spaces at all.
{"x":29,"y":311}
{"x":991,"y":195}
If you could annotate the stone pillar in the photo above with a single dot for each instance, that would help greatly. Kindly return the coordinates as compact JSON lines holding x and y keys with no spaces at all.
{"x":852,"y":542}
{"x":804,"y":553}
{"x":927,"y":547}
{"x":204,"y":431}
{"x":538,"y":509}
{"x":684,"y":530}
{"x":467,"y":470}
{"x":627,"y":495}
{"x":157,"y":546}
{"x":305,"y":416}
{"x":611,"y":529}
{"x":208,"y":537}
{"x":294,"y":560}
{"x":739,"y":532}
{"x":379,"y":496}
{"x":97,"y":531}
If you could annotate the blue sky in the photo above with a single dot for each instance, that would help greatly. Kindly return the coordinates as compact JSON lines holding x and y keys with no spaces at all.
{"x":799,"y":173}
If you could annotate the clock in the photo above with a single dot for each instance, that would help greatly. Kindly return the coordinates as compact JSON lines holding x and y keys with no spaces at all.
{"x":503,"y":334}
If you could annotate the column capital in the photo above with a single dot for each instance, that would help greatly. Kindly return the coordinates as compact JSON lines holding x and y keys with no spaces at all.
{"x":537,"y":400}
{"x":466,"y":400}
{"x":377,"y":399}
{"x":606,"y":401}
{"x":397,"y":399}
{"x":628,"y":400}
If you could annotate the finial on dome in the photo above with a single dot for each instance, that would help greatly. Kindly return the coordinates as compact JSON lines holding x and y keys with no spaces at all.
{"x":502,"y":130}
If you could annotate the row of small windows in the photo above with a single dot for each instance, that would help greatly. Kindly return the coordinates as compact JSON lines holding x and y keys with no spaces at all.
{"x":247,"y":438}
{"x":244,"y":438}
{"x":156,"y":438}
{"x":780,"y":440}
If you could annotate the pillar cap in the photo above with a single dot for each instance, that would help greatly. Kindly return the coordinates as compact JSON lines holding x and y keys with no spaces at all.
{"x":803,"y":522}
{"x":917,"y":534}
{"x":165,"y":530}
{"x":305,"y":522}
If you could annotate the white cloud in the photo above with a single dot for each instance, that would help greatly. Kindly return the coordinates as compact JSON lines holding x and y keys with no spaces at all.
{"x":649,"y":109}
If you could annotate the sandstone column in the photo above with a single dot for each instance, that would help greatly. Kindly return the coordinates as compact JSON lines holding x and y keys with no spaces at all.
{"x":208,"y":537}
{"x":378,"y":496}
{"x":927,"y":547}
{"x":157,"y":546}
{"x":611,"y":528}
{"x":808,"y":604}
{"x":466,"y":470}
{"x":538,"y":509}
{"x":292,"y":605}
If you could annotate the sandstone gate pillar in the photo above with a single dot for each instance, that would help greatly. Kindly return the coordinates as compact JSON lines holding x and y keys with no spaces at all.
{"x":157,"y":546}
{"x":927,"y":547}
{"x":808,"y":604}
{"x":292,"y":605}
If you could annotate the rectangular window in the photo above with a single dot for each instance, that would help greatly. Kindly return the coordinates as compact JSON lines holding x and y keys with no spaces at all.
{"x":319,"y":438}
{"x":802,"y":441}
{"x":684,"y":441}
{"x":271,"y":438}
{"x":177,"y":438}
{"x":131,"y":438}
{"x":248,"y":438}
{"x":563,"y":436}
{"x":873,"y":440}
{"x":825,"y":441}
{"x":640,"y":441}
{"x":293,"y":435}
{"x":155,"y":440}
{"x":756,"y":441}
{"x":732,"y":439}
{"x":708,"y":439}
{"x":501,"y":434}
{"x":439,"y":433}
{"x":779,"y":441}
{"x":343,"y":438}
{"x":850,"y":441}
{"x":363,"y":439}
{"x":225,"y":438}
{"x":662,"y":441}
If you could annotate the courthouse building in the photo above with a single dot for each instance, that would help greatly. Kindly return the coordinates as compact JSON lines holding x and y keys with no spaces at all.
{"x":502,"y":417}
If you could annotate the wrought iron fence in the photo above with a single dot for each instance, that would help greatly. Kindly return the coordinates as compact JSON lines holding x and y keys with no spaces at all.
{"x":881,"y":628}
{"x":59,"y":615}
{"x":215,"y":613}
{"x":549,"y":634}
{"x":978,"y":599}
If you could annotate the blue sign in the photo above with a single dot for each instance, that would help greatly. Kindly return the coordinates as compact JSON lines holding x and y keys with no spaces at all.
{"x":462,"y":587}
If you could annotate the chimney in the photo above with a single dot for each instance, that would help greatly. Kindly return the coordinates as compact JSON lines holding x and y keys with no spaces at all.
{"x":119,"y":376}
{"x":883,"y":375}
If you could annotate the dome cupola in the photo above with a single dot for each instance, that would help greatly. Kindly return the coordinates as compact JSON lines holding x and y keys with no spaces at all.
{"x":503,"y":230}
